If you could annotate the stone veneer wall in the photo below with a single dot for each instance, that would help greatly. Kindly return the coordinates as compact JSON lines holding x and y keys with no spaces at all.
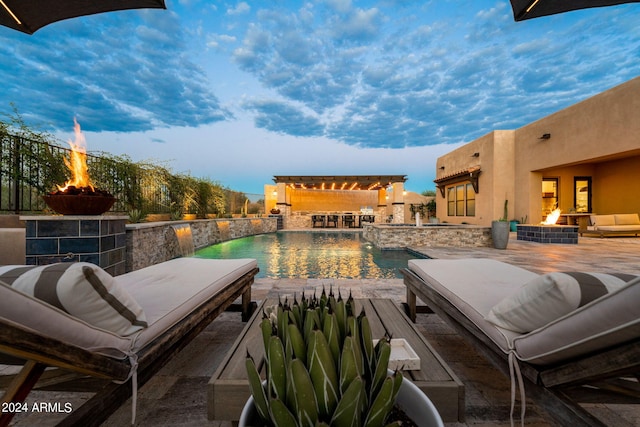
{"x":152,"y":243}
{"x":406,"y":236}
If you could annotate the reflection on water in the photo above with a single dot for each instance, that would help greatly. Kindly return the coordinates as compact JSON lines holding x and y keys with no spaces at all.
{"x":313,"y":255}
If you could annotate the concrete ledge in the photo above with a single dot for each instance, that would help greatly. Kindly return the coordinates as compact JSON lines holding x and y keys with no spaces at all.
{"x":12,"y":246}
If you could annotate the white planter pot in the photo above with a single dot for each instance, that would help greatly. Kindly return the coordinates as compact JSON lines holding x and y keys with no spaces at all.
{"x":410,"y":399}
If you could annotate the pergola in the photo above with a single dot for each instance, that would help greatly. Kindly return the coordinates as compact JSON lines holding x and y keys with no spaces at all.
{"x":297,"y":196}
{"x":339,"y":182}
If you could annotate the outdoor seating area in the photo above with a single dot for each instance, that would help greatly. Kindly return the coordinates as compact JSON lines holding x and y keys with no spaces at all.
{"x":557,"y":329}
{"x":462,"y":248}
{"x":610,"y":225}
{"x":341,"y":220}
{"x":160,"y":363}
{"x":122,"y":329}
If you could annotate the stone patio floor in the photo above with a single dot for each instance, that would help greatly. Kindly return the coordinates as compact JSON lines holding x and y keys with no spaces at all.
{"x":177,"y":395}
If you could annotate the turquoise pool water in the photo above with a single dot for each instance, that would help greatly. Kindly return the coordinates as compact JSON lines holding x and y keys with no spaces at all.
{"x":300,"y":254}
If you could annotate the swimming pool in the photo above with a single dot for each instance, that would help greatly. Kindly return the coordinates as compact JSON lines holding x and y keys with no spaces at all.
{"x":317,"y":254}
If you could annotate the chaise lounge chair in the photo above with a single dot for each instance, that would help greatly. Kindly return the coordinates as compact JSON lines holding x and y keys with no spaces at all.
{"x":559,"y":330}
{"x":122,"y":329}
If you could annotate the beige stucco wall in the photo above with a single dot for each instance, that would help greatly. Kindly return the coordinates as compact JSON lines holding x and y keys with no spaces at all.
{"x":495,"y":159}
{"x":598,"y":137}
{"x":584,"y":137}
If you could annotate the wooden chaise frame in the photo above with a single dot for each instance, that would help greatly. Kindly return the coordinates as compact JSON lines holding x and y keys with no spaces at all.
{"x":547,"y":385}
{"x":40,"y":352}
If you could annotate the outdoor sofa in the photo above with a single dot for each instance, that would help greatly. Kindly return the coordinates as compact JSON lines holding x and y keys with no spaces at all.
{"x":605,"y":225}
{"x":557,"y":330}
{"x":122,"y":329}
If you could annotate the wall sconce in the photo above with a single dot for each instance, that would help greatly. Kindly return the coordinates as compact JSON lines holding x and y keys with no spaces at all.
{"x":476,"y":154}
{"x":545,"y":136}
{"x":441,"y":168}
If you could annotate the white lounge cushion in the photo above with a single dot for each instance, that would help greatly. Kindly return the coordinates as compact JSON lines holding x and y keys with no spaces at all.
{"x":551,"y":296}
{"x":604,"y":323}
{"x":169,"y":291}
{"x":474,"y":286}
{"x":82,"y":290}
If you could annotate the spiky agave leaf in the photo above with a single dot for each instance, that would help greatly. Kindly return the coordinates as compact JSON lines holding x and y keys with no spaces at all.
{"x":257,"y":389}
{"x":348,"y":413}
{"x":304,"y":394}
{"x":324,"y":375}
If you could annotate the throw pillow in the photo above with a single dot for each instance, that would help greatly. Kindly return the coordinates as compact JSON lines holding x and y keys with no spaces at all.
{"x":551,"y":296}
{"x":82,"y":290}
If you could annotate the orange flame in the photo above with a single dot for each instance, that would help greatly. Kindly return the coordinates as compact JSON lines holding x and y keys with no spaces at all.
{"x":77,"y":162}
{"x":552,"y":218}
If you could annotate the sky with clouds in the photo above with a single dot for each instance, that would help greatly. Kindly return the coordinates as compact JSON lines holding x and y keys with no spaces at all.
{"x":241,"y":91}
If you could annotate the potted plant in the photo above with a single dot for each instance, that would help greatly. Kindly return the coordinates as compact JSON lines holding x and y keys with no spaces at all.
{"x":500,"y":229}
{"x":323,"y":369}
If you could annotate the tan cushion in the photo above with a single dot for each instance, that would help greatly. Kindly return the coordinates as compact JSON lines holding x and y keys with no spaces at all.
{"x":627,"y":219}
{"x":551,"y":296}
{"x":620,"y":228}
{"x":599,"y":220}
{"x":82,"y":290}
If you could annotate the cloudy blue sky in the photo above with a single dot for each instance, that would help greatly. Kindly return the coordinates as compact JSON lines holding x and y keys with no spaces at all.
{"x":241,"y":91}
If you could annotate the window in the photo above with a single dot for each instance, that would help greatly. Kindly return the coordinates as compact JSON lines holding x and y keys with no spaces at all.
{"x":582,"y":194}
{"x":470,"y":198}
{"x":549,"y":195}
{"x":451,"y":201}
{"x":461,"y":200}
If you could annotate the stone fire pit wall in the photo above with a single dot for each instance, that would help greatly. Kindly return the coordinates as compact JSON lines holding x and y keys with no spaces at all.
{"x":548,"y":233}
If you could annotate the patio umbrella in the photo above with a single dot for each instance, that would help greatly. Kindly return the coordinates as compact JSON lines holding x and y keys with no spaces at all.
{"x":527,"y":9}
{"x":29,"y":16}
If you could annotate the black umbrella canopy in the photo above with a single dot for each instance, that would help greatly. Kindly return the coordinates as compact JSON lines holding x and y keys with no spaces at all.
{"x":527,"y":9}
{"x":29,"y":16}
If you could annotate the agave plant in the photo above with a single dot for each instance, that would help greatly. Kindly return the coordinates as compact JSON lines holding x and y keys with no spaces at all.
{"x":322,"y":368}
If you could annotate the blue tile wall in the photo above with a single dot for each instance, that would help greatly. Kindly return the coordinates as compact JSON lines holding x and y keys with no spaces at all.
{"x":100,"y":241}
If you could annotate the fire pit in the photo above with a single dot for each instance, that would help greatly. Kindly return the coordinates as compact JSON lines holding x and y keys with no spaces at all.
{"x":80,"y":202}
{"x":548,"y":231}
{"x":78,"y":196}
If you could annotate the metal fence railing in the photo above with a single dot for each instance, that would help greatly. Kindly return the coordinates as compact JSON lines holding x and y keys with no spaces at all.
{"x":30,"y":169}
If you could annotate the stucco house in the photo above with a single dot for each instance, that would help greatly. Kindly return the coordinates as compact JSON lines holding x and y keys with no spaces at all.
{"x":585,"y":158}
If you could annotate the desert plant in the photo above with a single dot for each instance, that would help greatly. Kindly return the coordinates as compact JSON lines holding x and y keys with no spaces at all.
{"x":322,"y":367}
{"x":136,"y":216}
{"x":505,"y":214}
